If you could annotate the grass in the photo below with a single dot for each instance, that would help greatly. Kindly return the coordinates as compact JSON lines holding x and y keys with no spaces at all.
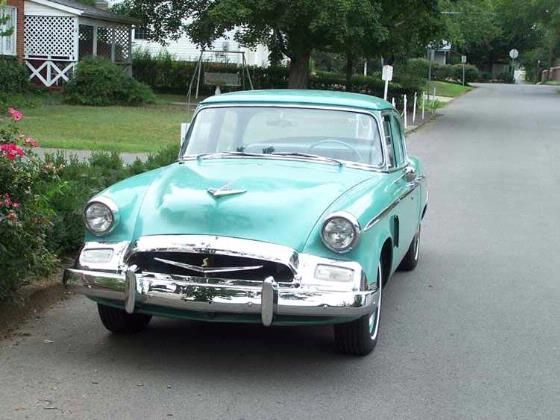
{"x":450,"y":90}
{"x":113,"y":128}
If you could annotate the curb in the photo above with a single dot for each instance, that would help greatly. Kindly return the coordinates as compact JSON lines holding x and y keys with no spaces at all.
{"x":30,"y":301}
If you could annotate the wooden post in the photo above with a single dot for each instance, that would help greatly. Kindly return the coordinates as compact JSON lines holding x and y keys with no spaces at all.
{"x":414,"y":108}
{"x":94,"y":48}
{"x":404,"y":113}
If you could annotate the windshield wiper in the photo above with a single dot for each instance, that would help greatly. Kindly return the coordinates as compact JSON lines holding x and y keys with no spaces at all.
{"x":221,"y":154}
{"x":309,"y":156}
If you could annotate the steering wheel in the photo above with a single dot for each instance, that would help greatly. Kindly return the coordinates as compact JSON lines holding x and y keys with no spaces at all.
{"x":356,"y":154}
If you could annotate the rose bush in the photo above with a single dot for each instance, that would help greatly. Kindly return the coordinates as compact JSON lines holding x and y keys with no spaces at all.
{"x":24,"y":213}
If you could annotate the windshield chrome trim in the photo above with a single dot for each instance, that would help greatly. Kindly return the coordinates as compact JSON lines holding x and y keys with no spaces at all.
{"x":356,"y":165}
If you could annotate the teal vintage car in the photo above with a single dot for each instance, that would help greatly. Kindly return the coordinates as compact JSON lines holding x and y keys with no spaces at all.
{"x":285,"y":207}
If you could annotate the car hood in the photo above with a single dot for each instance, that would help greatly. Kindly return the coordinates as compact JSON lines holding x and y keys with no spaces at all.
{"x":281,"y":203}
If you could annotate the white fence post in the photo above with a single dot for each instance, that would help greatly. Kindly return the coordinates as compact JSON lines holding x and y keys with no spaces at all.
{"x":414,"y":108}
{"x":404,"y":113}
{"x":423,"y":104}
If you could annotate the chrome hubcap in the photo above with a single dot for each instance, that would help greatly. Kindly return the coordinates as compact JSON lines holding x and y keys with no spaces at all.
{"x":374,"y":317}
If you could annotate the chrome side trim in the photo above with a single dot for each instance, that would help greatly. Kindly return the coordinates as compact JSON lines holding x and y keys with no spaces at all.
{"x":390,"y":207}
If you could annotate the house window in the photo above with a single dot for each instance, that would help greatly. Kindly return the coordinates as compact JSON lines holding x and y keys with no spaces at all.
{"x":8,"y":42}
{"x":141,"y":32}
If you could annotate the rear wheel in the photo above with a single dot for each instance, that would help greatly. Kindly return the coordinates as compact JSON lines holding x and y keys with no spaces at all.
{"x":359,"y":337}
{"x":120,"y":322}
{"x":410,"y":260}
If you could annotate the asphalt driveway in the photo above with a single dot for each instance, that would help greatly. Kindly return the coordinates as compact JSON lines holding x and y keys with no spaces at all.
{"x":474,"y":332}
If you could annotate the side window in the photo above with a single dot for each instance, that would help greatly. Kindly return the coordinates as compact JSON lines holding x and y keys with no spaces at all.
{"x":398,"y":140}
{"x":389,"y":141}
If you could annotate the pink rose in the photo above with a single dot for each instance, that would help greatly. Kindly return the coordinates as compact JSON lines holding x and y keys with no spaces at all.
{"x":11,"y":151}
{"x":15,"y":114}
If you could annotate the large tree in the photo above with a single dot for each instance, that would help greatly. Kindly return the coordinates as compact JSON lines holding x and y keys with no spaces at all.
{"x":355,"y":28}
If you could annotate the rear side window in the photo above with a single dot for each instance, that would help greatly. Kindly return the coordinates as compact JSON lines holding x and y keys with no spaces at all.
{"x":394,"y":140}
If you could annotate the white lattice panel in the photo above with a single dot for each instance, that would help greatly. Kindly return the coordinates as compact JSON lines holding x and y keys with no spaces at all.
{"x":122,"y":44}
{"x":52,"y":36}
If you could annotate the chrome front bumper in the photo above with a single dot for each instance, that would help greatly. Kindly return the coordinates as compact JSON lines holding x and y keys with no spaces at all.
{"x":266,"y":298}
{"x":114,"y":281}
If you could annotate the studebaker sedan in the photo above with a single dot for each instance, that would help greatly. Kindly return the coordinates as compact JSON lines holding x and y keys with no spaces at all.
{"x":285,"y":207}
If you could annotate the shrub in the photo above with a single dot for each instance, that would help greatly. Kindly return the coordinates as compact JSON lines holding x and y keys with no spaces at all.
{"x":471,"y":73}
{"x":99,"y":82}
{"x":25,"y":216}
{"x":13,"y":76}
{"x":41,"y":201}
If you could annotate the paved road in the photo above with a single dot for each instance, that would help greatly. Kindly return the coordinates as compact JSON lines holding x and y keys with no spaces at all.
{"x":474,"y":332}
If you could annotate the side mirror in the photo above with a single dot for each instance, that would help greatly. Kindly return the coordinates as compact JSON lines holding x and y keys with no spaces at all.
{"x":184,"y":131}
{"x":410,"y":174}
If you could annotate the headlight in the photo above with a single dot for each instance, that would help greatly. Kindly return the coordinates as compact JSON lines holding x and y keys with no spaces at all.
{"x":341,"y":232}
{"x":100,"y":216}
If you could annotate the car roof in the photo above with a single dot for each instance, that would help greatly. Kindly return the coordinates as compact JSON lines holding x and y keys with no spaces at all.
{"x":301,"y":97}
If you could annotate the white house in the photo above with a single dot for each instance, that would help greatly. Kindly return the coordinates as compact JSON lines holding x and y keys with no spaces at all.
{"x":184,"y":49}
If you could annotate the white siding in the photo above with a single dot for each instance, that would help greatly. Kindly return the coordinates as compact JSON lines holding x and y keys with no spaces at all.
{"x":184,"y":49}
{"x":35,"y":9}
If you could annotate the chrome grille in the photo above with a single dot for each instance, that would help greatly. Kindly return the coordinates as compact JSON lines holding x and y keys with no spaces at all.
{"x":210,"y":265}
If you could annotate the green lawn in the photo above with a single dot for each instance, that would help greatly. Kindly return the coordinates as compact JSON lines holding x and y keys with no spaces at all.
{"x":114,"y":128}
{"x":450,"y":90}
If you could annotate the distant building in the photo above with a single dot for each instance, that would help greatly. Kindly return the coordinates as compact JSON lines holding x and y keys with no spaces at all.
{"x":184,"y":49}
{"x":441,"y":52}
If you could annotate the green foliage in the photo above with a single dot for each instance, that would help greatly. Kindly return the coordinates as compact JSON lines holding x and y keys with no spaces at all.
{"x":164,"y":74}
{"x":99,"y":82}
{"x":25,"y":216}
{"x":41,"y":202}
{"x":13,"y":76}
{"x":415,"y":72}
{"x":296,"y":29}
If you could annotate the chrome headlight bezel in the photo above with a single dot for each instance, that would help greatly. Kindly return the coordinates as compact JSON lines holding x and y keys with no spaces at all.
{"x":347,"y":217}
{"x":112,"y":209}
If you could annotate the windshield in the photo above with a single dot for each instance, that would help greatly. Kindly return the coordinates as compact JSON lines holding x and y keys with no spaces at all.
{"x":341,"y":135}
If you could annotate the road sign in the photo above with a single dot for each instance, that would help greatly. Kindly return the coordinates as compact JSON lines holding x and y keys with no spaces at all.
{"x":514,"y":54}
{"x":464,"y":59}
{"x":387,"y":73}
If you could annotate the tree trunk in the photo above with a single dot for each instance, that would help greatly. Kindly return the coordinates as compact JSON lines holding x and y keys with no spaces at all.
{"x":349,"y":70}
{"x":299,"y":71}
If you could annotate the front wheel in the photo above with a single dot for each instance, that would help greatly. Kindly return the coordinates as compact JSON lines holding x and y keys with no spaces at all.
{"x":120,"y":322}
{"x":359,"y":337}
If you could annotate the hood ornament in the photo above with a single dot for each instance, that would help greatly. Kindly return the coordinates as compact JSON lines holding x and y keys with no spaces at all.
{"x":224,"y":190}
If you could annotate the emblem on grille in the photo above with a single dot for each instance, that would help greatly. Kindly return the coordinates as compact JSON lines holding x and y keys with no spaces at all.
{"x":224,"y":190}
{"x":205,"y":262}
